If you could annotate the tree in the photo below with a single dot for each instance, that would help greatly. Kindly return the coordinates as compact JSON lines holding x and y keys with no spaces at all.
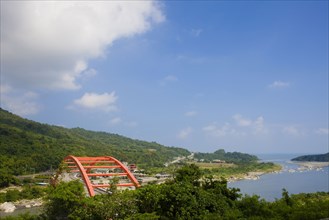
{"x":189,"y":174}
{"x":7,"y":179}
{"x":253,"y":206}
{"x":64,"y":199}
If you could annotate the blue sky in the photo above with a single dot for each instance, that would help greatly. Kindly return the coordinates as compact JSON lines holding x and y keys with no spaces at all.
{"x":249,"y":76}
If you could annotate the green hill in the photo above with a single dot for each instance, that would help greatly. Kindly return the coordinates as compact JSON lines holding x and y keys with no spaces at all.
{"x":27,"y":146}
{"x":314,"y":157}
{"x":231,"y":157}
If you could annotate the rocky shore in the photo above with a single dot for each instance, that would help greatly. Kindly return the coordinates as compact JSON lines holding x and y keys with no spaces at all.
{"x":247,"y":176}
{"x":254,"y":175}
{"x":312,"y":165}
{"x":9,"y":207}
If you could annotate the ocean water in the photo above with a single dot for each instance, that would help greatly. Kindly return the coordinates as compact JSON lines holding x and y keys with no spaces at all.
{"x":269,"y":186}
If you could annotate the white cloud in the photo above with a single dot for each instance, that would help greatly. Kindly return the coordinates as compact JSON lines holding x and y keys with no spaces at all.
{"x":279,"y":84}
{"x":192,"y":60}
{"x":131,"y":124}
{"x":48,"y":44}
{"x":88,"y":73}
{"x":219,"y":131}
{"x":258,"y":126}
{"x":5,"y":89}
{"x":119,"y":121}
{"x":190,"y":113}
{"x":115,"y":121}
{"x":105,"y":102}
{"x":242,"y":127}
{"x":240,"y":121}
{"x":291,"y":130}
{"x":185,"y":133}
{"x":196,"y":32}
{"x":322,"y":131}
{"x":168,"y":79}
{"x":22,"y":103}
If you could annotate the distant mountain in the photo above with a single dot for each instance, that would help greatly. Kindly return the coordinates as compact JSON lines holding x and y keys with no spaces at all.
{"x":27,"y":146}
{"x":314,"y":157}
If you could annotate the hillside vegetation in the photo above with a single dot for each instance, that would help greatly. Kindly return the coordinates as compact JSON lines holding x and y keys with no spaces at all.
{"x":314,"y":158}
{"x":27,"y":146}
{"x":229,"y":157}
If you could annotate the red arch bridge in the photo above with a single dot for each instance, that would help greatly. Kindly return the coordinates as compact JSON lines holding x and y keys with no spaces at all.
{"x":103,"y":167}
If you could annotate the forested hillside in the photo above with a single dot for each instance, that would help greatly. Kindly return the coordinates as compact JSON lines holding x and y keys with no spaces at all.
{"x":27,"y":146}
{"x":314,"y":157}
{"x":230,"y":157}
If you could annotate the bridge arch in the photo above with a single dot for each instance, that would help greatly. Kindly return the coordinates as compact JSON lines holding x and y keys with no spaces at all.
{"x":87,"y":165}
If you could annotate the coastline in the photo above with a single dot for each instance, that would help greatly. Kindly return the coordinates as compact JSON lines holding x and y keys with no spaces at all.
{"x":311,"y":164}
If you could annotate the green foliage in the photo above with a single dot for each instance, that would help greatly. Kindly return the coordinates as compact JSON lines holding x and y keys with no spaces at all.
{"x":253,"y":206}
{"x":24,"y":216}
{"x":7,"y":179}
{"x":144,"y":216}
{"x":64,"y":200}
{"x":302,"y":206}
{"x":187,"y":197}
{"x":28,"y":192}
{"x":308,"y":206}
{"x":115,"y":206}
{"x":315,"y":157}
{"x":189,"y":174}
{"x":32,"y":192}
{"x":11,"y":195}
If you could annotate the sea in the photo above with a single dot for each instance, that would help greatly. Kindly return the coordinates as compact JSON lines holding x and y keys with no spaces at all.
{"x":292,"y":177}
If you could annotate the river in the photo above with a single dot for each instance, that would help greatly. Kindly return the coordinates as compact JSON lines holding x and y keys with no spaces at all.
{"x":294,"y":180}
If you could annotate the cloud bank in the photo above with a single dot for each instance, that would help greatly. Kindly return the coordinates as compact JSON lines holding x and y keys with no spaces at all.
{"x":279,"y":84}
{"x":21,"y":103}
{"x":185,"y":133}
{"x":105,"y":102}
{"x":243,"y":126}
{"x":191,"y":113}
{"x":47,"y":44}
{"x":322,"y":131}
